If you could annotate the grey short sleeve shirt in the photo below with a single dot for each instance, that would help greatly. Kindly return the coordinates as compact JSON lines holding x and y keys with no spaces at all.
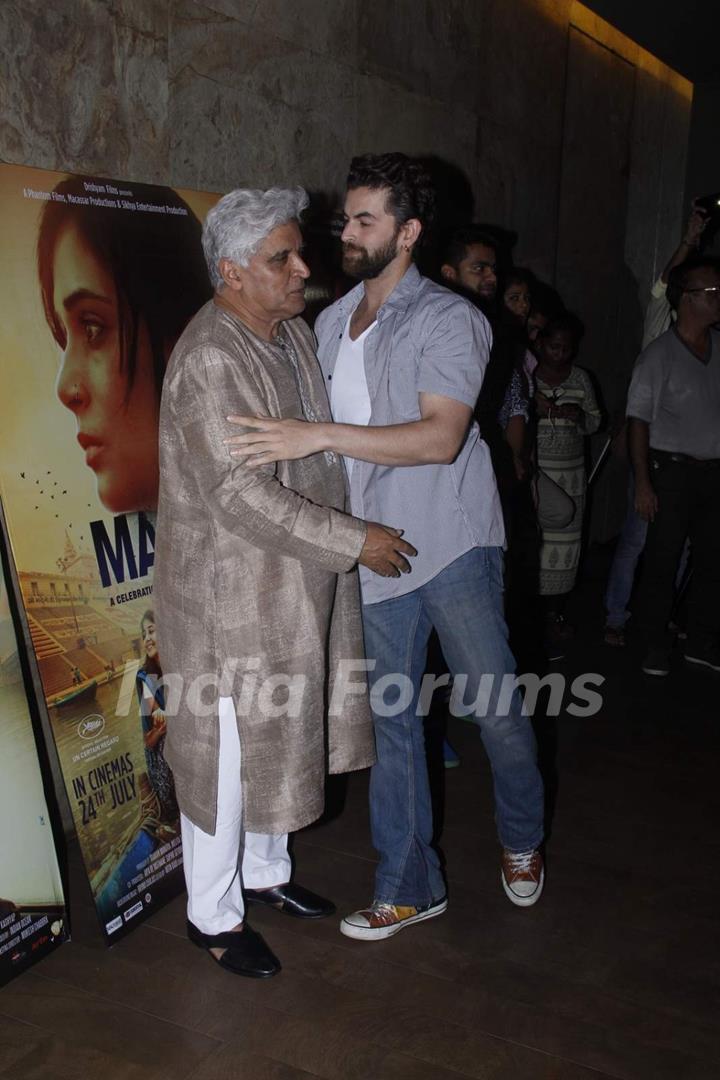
{"x":678,"y":396}
{"x":426,"y":339}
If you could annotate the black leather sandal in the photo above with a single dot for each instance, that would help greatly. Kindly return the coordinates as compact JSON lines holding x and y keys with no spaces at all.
{"x":245,"y":951}
{"x":293,"y":900}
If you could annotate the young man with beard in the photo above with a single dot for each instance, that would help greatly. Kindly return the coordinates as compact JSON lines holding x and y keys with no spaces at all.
{"x":469,"y":265}
{"x":403,"y":359}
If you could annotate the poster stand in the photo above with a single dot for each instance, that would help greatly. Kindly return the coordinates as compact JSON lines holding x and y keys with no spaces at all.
{"x":101,"y":278}
{"x":33,"y":917}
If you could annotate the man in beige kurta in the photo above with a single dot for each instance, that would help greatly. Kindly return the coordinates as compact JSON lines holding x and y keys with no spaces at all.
{"x":256,"y":588}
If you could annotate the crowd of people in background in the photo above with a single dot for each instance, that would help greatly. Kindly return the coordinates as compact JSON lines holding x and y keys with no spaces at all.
{"x":535,"y":410}
{"x":673,"y":408}
{"x":538,"y":406}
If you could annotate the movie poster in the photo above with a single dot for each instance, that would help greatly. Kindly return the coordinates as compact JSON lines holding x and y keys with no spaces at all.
{"x":101,"y":278}
{"x":32,"y":905}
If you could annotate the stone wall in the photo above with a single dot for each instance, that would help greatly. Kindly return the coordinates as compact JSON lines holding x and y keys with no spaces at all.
{"x":564,"y":130}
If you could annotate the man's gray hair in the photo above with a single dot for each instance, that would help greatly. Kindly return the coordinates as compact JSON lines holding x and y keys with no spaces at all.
{"x":237,"y":225}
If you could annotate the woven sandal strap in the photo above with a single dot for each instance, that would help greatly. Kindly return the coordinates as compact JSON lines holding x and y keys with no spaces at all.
{"x":226,"y":940}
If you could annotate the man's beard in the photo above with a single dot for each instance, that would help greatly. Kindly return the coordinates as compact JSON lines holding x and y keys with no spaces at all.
{"x":369,"y":264}
{"x":486,"y":303}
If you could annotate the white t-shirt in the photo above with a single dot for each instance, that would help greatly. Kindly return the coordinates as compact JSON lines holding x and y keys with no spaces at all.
{"x":349,"y":397}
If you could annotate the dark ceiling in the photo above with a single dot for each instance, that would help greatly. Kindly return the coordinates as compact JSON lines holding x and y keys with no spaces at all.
{"x":684,"y":34}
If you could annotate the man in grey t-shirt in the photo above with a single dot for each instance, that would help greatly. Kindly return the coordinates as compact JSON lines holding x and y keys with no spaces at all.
{"x":674,"y":411}
{"x":658,"y":319}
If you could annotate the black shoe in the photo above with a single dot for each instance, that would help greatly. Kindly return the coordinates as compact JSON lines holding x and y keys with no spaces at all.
{"x":557,"y":635}
{"x":707,"y":655}
{"x":657,"y":660}
{"x":245,"y":951}
{"x":292,"y":900}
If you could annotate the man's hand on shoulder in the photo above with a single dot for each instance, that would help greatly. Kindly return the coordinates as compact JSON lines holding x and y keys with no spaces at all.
{"x":384,"y":551}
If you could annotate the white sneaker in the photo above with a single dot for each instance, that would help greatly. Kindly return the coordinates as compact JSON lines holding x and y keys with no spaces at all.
{"x":383,"y":920}
{"x":523,"y":876}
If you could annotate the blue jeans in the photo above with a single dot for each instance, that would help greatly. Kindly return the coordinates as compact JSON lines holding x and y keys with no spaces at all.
{"x":630,"y":547}
{"x":464,"y":604}
{"x":622,"y":572}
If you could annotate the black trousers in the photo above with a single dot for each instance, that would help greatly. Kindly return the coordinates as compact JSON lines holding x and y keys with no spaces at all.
{"x":688,"y":505}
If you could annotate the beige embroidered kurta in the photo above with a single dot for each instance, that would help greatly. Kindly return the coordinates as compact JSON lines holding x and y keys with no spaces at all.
{"x":254,"y":572}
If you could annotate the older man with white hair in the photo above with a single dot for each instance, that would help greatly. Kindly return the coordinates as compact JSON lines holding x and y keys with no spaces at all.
{"x":256,"y":589}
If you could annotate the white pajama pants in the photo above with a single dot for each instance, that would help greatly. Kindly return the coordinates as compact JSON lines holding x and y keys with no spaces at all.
{"x":217,"y":867}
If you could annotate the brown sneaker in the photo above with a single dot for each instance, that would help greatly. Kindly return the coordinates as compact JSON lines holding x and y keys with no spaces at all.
{"x":383,"y":920}
{"x":615,"y":636}
{"x":523,"y":876}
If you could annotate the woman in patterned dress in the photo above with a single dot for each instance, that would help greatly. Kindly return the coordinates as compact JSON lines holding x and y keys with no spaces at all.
{"x":567,"y":412}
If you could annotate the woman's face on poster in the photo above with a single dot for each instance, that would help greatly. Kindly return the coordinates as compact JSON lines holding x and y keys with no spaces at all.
{"x":148,"y":639}
{"x":116,"y":425}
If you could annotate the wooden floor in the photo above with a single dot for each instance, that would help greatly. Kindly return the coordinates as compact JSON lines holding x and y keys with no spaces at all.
{"x":615,"y":973}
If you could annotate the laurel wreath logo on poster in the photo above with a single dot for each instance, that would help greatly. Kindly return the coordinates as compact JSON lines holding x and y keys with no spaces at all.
{"x":91,"y":726}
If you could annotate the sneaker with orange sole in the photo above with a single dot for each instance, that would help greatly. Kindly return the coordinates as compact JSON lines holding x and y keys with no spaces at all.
{"x":615,"y":636}
{"x":383,"y":920}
